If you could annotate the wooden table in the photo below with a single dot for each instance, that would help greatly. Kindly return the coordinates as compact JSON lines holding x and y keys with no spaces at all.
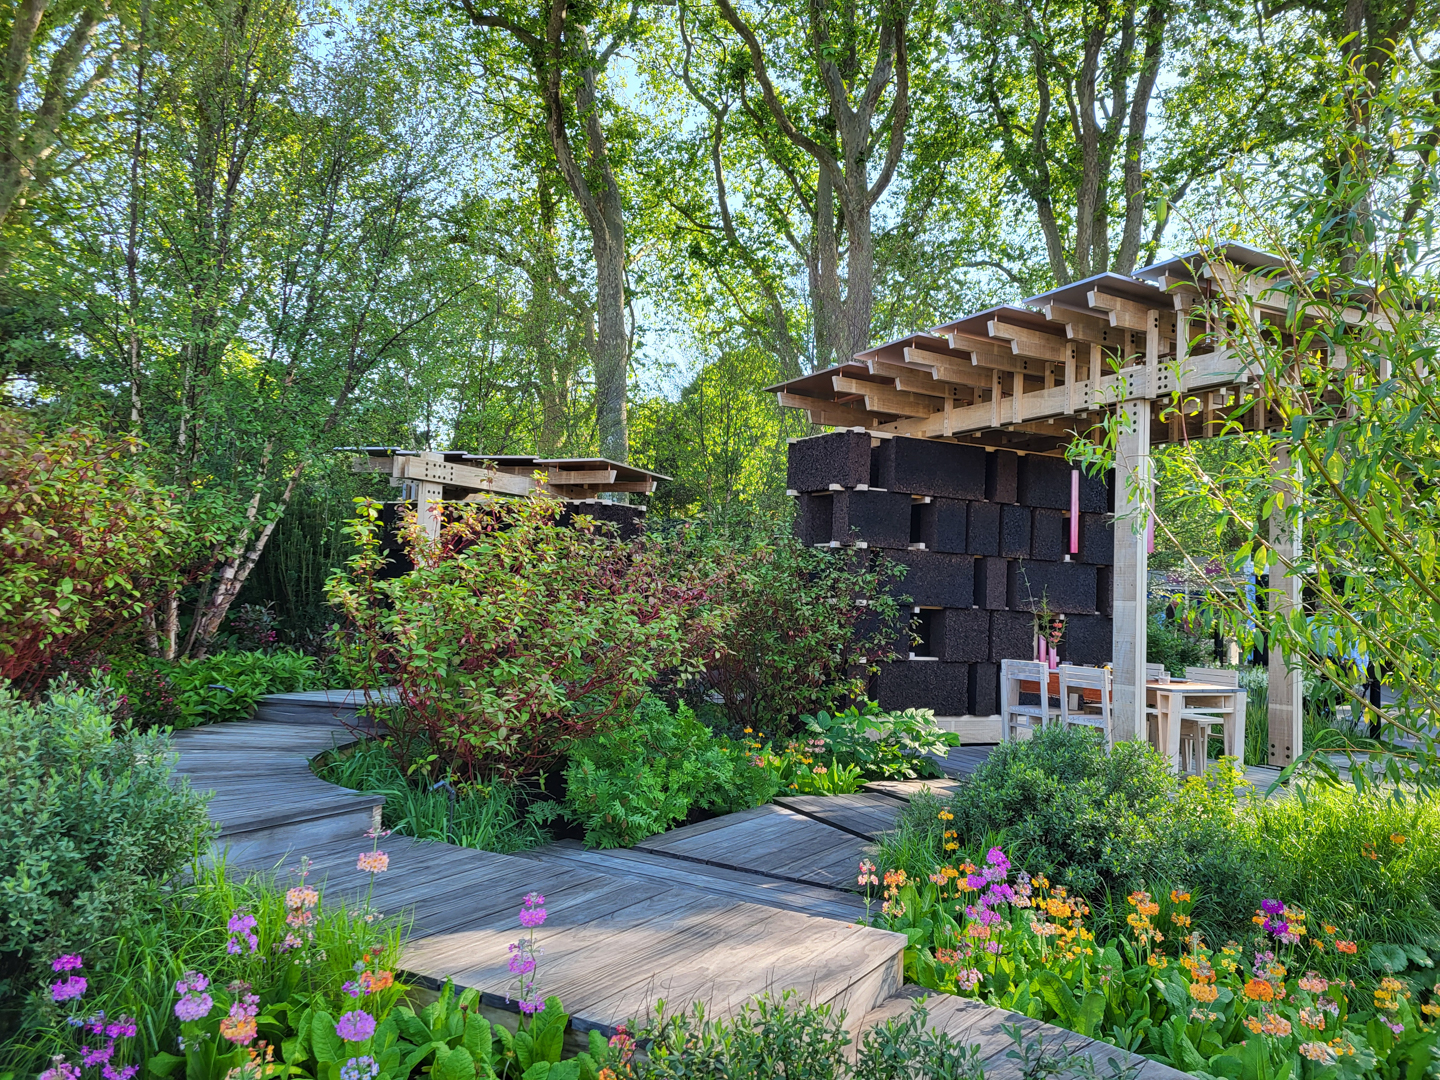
{"x":1170,"y":699}
{"x":1031,"y":686}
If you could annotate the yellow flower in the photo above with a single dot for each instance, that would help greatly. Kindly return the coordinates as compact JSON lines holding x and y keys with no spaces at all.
{"x":1396,"y":838}
{"x":1178,"y":897}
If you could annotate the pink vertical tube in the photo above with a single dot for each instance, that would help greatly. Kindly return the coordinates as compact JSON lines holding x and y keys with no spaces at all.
{"x":1074,"y":511}
{"x":1150,"y":534}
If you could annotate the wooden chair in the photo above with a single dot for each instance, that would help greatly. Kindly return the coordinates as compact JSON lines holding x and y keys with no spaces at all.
{"x":1198,"y":724}
{"x":1013,"y":715}
{"x":1075,"y":679}
{"x":1154,"y":673}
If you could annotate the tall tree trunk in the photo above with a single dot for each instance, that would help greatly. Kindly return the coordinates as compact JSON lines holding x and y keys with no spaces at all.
{"x":612,"y":342}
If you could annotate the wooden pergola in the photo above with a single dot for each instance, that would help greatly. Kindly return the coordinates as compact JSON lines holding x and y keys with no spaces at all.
{"x":1035,"y":377}
{"x":428,"y":477}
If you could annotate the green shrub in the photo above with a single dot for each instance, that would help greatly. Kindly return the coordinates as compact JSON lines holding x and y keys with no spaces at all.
{"x":93,"y":827}
{"x":641,"y":777}
{"x":1100,"y":821}
{"x":221,"y":687}
{"x":484,"y":816}
{"x":1168,"y":643}
{"x":795,"y":627}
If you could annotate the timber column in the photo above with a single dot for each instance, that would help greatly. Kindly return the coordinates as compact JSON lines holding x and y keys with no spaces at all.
{"x":1132,"y":567}
{"x":1287,"y":682}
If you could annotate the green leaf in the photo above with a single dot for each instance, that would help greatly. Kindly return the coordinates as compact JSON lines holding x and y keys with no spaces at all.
{"x":324,"y":1042}
{"x":163,"y":1064}
{"x":456,"y":1064}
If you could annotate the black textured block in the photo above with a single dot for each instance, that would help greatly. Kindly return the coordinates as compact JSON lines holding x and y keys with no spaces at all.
{"x":984,"y":689}
{"x":1050,"y":536}
{"x":1001,"y":476}
{"x":962,"y":635}
{"x":1097,"y":539}
{"x":936,"y":579}
{"x":1105,"y":590}
{"x":1044,"y":481}
{"x":1014,"y":532}
{"x":812,"y":519}
{"x":991,"y":583}
{"x":932,"y":467}
{"x":983,"y":535}
{"x":943,"y":524}
{"x":1095,"y":492}
{"x":1012,"y":636}
{"x":841,"y":457}
{"x":626,"y":522}
{"x":877,"y":518}
{"x":1087,"y":640}
{"x":1066,"y":588}
{"x":925,"y":684}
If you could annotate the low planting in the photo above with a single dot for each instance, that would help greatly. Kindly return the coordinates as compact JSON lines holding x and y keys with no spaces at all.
{"x":1225,"y":935}
{"x":486,"y":816}
{"x":221,"y":687}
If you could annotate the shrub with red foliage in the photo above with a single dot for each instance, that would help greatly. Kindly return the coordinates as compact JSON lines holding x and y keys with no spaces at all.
{"x":513,"y":636}
{"x":83,"y":535}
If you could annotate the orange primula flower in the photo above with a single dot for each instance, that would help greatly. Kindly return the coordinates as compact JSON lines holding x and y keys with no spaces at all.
{"x":1259,"y":990}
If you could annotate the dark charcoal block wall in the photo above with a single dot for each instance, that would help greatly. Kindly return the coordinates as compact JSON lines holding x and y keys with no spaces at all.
{"x":943,"y":525}
{"x":878,"y":518}
{"x":991,"y":542}
{"x":932,"y":467}
{"x":842,"y":457}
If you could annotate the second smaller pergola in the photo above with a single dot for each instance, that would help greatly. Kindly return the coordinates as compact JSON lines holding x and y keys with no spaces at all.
{"x":430,"y":477}
{"x":1035,"y":377}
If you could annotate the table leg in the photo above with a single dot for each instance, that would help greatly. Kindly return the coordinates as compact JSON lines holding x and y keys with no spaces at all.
{"x":1172,"y":728}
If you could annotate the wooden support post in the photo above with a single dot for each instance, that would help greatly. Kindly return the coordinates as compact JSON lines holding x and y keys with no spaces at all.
{"x":1287,"y":682}
{"x":427,"y":504}
{"x":1132,"y":565}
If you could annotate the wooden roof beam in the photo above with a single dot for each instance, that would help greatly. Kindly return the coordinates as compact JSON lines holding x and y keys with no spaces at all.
{"x":884,"y":399}
{"x":951,"y":369}
{"x":828,"y":413}
{"x":1027,"y":342}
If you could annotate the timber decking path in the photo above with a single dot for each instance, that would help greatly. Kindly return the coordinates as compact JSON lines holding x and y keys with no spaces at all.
{"x":719,"y":912}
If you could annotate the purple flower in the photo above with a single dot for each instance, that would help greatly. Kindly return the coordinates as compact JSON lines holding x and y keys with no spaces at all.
{"x":532,"y":917}
{"x":109,"y":1072}
{"x":99,"y":1056}
{"x":68,"y":988}
{"x":194,"y":1006}
{"x":521,"y":965}
{"x":351,"y":988}
{"x":1271,"y":907}
{"x":996,"y":857}
{"x":975,"y":881}
{"x":123,"y":1028}
{"x":241,"y":927}
{"x":534,"y":899}
{"x":356,"y":1026}
{"x":531,"y":1007}
{"x":192,"y":980}
{"x":60,"y":1069}
{"x":360,"y":1068}
{"x":1278,"y":927}
{"x":68,"y":962}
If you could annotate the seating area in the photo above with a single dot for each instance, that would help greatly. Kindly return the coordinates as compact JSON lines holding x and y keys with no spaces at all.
{"x":1183,"y":716}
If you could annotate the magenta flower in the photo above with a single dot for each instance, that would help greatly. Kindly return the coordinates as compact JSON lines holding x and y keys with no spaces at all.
{"x":68,"y":988}
{"x":68,"y":962}
{"x":123,"y":1028}
{"x":242,"y":928}
{"x":532,"y":917}
{"x":109,"y":1072}
{"x":1272,"y":907}
{"x":355,"y":1026}
{"x":100,"y":1056}
{"x":531,"y":1007}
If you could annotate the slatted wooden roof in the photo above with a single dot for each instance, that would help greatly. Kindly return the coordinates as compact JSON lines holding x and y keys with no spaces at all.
{"x":1036,"y":375}
{"x":511,"y":474}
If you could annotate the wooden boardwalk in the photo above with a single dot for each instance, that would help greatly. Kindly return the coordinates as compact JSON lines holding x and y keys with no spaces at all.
{"x":717,"y":912}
